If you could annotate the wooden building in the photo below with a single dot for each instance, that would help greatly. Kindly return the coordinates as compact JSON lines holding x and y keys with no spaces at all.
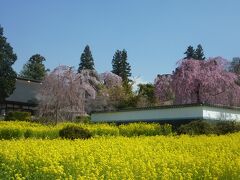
{"x":23,"y":98}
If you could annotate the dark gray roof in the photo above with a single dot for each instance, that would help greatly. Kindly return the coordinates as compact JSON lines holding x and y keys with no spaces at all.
{"x":25,"y":91}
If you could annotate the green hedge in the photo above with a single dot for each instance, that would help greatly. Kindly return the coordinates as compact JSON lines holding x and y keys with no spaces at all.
{"x":14,"y":129}
{"x":11,"y":133}
{"x":74,"y":132}
{"x":196,"y":128}
{"x":18,"y":116}
{"x":204,"y":127}
{"x":226,"y":127}
{"x":21,"y":129}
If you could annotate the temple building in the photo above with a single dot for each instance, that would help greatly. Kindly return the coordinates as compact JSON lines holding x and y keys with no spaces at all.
{"x":23,"y":98}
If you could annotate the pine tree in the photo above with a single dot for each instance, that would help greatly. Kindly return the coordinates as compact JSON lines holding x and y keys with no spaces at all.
{"x":190,"y":53}
{"x":120,"y":65}
{"x":34,"y":68}
{"x":125,"y":67}
{"x":199,"y":54}
{"x":7,"y":74}
{"x":116,"y":63}
{"x":86,"y":59}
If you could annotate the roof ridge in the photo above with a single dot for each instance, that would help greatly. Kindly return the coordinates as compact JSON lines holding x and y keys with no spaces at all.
{"x":31,"y":80}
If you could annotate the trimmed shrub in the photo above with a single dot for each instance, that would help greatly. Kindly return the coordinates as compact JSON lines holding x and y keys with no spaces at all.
{"x":18,"y":116}
{"x":74,"y":132}
{"x":8,"y":133}
{"x":225,"y":127}
{"x":196,"y":128}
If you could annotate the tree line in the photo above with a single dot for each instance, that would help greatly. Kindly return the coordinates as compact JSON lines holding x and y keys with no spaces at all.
{"x":35,"y":69}
{"x":195,"y":80}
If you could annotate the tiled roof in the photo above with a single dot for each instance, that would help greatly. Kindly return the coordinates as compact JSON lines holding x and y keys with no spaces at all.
{"x":25,"y":91}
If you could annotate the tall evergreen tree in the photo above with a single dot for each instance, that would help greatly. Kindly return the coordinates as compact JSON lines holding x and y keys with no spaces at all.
{"x":34,"y":68}
{"x":120,"y":65}
{"x":7,"y":74}
{"x":86,"y":60}
{"x":125,"y":67}
{"x":116,"y":63}
{"x":199,"y":54}
{"x":190,"y":53}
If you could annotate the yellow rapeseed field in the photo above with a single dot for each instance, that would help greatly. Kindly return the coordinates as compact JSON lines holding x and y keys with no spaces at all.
{"x":158,"y":157}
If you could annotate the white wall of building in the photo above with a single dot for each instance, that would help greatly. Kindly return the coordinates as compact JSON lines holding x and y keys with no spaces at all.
{"x":224,"y":114}
{"x":150,"y":115}
{"x":175,"y":113}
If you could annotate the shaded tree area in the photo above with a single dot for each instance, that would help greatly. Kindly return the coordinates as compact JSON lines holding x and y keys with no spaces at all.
{"x":107,"y":99}
{"x":86,"y":60}
{"x":7,"y":74}
{"x":34,"y":68}
{"x":145,"y":95}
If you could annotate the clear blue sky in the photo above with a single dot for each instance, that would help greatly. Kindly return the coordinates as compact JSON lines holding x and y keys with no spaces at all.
{"x":155,"y":33}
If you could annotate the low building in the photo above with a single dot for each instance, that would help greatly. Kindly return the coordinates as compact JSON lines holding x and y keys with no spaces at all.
{"x":170,"y":114}
{"x":23,"y":98}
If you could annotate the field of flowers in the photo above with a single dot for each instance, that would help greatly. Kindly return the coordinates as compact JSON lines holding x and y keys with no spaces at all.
{"x":143,"y":157}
